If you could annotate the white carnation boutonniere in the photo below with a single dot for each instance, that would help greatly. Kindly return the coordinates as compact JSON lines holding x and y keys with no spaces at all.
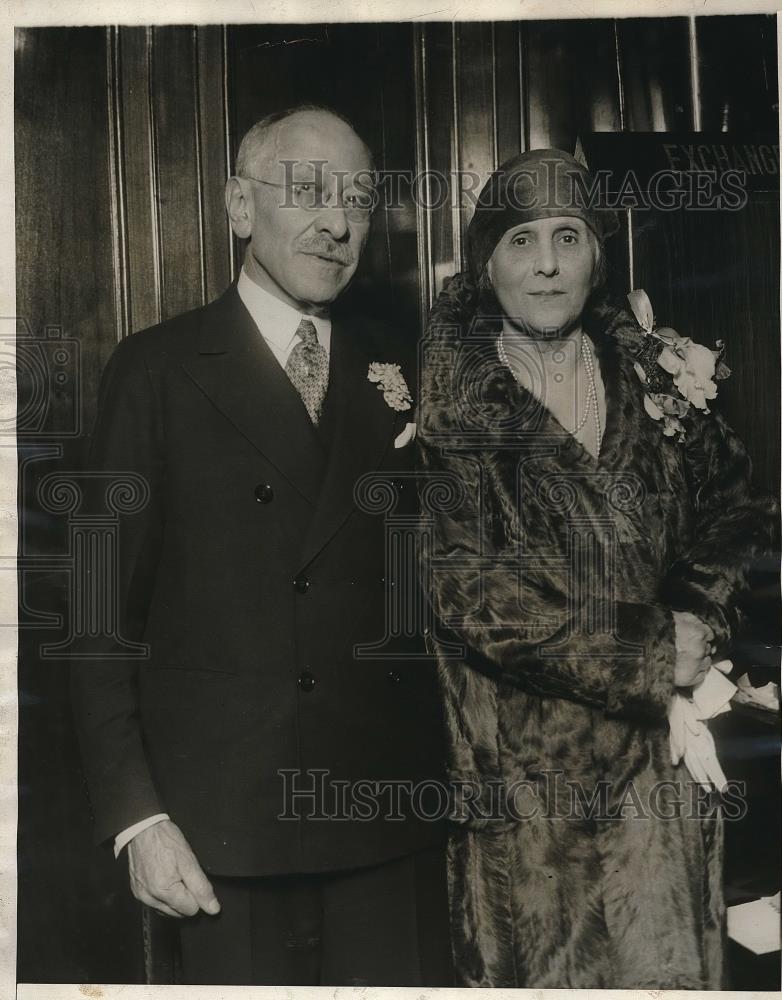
{"x":676,"y":372}
{"x":391,"y":381}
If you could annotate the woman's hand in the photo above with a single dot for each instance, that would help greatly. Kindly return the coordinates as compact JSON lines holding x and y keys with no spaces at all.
{"x":694,"y":649}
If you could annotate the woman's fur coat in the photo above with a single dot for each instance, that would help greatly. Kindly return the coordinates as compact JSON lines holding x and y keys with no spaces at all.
{"x":554,"y":579}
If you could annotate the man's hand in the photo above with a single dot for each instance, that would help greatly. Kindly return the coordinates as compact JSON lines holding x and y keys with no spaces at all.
{"x":694,"y":649}
{"x":165,"y":874}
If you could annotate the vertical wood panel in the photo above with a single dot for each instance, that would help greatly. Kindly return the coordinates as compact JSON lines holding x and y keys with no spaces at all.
{"x":174,"y":112}
{"x":424,"y":218}
{"x":455,"y":176}
{"x":572,"y":81}
{"x":598,"y":79}
{"x":76,"y":919}
{"x":231,"y":142}
{"x":507,"y":90}
{"x":63,"y":200}
{"x":396,"y":218}
{"x":550,"y":112}
{"x":477,"y":136}
{"x":213,"y":163}
{"x":620,"y":78}
{"x":117,"y":198}
{"x":738,"y":73}
{"x":524,"y":62}
{"x":199,"y":168}
{"x":695,"y":81}
{"x":655,"y":68}
{"x":439,"y":115}
{"x":140,"y":194}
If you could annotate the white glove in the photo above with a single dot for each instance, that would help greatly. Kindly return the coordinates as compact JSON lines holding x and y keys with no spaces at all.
{"x":690,"y":737}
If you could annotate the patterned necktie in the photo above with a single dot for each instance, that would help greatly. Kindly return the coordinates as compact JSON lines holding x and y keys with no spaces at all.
{"x":308,"y":368}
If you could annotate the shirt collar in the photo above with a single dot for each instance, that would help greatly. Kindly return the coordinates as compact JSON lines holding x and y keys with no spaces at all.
{"x":276,"y":320}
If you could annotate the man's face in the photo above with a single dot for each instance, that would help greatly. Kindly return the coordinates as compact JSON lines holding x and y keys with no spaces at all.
{"x":542,"y":273}
{"x":304,"y":244}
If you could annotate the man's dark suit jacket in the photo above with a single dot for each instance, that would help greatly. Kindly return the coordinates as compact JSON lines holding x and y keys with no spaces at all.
{"x":251,"y":574}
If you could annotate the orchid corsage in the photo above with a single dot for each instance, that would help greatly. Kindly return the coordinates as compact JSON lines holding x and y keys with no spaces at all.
{"x":391,"y":381}
{"x":676,"y":372}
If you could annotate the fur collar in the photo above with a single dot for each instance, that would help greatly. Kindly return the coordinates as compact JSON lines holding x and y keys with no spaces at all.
{"x":468,"y":393}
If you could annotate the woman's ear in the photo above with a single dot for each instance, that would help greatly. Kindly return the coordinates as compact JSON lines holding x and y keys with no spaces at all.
{"x":484,"y":281}
{"x":598,"y":263}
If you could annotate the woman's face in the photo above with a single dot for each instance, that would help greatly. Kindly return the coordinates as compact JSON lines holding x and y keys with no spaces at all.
{"x":542,"y":274}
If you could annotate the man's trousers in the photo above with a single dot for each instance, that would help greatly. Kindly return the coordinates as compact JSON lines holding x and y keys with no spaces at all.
{"x":381,"y":926}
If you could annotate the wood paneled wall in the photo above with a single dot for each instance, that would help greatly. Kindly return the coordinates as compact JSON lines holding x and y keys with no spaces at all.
{"x":162,"y":109}
{"x":169,"y":156}
{"x":486,"y":91}
{"x":124,"y":138}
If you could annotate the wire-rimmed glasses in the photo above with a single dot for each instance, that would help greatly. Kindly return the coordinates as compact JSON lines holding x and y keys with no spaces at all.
{"x":358,"y":204}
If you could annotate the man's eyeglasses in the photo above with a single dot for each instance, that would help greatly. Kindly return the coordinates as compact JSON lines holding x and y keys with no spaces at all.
{"x":357,"y":205}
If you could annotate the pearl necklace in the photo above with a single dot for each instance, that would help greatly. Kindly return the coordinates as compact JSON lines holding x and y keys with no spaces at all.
{"x":589,"y":368}
{"x":589,"y":364}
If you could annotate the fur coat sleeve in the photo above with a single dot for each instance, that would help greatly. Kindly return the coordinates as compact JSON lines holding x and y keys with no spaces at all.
{"x":735,"y":526}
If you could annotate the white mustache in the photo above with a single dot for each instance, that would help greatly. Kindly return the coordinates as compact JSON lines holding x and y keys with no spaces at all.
{"x":327,"y":248}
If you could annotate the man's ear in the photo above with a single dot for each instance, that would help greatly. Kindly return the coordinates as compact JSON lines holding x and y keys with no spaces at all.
{"x":239,"y":208}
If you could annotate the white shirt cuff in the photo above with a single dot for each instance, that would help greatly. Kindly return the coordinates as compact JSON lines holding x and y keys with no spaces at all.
{"x":124,"y":838}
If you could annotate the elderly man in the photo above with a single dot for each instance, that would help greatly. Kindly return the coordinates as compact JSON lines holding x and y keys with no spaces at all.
{"x":228,"y":763}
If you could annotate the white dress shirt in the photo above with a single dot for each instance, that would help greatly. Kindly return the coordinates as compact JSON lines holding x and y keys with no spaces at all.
{"x":277,"y":323}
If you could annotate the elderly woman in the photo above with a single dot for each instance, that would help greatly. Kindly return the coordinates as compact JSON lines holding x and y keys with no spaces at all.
{"x":594,"y":526}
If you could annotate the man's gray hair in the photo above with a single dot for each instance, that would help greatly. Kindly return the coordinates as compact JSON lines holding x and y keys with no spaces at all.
{"x":252,"y":143}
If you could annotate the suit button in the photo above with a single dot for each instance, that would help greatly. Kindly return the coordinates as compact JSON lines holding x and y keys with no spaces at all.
{"x":302,"y":584}
{"x":306,"y":681}
{"x":393,"y":677}
{"x":264,"y":493}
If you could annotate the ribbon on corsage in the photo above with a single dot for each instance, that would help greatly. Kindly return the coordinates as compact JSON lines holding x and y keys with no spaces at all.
{"x":676,"y":372}
{"x":390,"y":379}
